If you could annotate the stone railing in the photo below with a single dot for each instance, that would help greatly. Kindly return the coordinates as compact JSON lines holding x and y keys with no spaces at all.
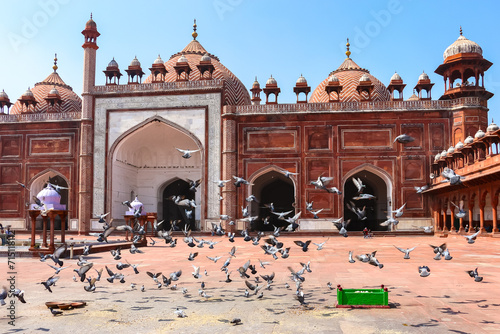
{"x":423,"y":105}
{"x":40,"y":117}
{"x":159,"y":86}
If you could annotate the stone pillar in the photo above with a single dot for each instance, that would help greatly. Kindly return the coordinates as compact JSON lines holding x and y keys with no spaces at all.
{"x":494,"y":204}
{"x":229,"y":166}
{"x":52,"y":216}
{"x":444,"y":221}
{"x":481,"y":216}
{"x":44,"y":231}
{"x":33,"y":214}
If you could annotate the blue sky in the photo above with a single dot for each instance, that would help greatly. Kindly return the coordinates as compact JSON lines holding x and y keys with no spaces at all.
{"x":251,"y":38}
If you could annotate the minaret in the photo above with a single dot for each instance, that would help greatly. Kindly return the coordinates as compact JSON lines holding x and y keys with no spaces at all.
{"x":87,"y":128}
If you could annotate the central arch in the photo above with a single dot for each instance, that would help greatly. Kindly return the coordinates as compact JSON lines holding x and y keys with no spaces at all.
{"x":270,"y":185}
{"x":145,"y":159}
{"x":379,"y":184}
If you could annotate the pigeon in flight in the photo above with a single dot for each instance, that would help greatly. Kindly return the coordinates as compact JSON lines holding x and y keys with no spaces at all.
{"x":404,"y":139}
{"x":351,"y":260}
{"x":405,"y":251}
{"x":304,"y":245}
{"x":473,"y":273}
{"x":359,"y":184}
{"x":221,"y":183}
{"x":364,"y":196}
{"x":239,"y":180}
{"x":341,"y":225}
{"x":399,"y":212}
{"x":320,"y":245}
{"x":186,"y":154}
{"x":460,"y":207}
{"x":472,"y":238}
{"x":101,"y":217}
{"x":281,"y":215}
{"x":451,"y":177}
{"x":288,"y":173}
{"x":50,"y":282}
{"x":360,"y":213}
{"x":420,"y":189}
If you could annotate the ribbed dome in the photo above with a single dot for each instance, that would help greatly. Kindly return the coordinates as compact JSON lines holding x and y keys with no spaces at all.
{"x":396,"y":76}
{"x":462,"y":45}
{"x":28,"y":92}
{"x":333,"y":78}
{"x":206,"y":57}
{"x":492,"y":127}
{"x":113,"y":63}
{"x":135,"y":62}
{"x":71,"y":102}
{"x":271,"y":81}
{"x":451,"y":149}
{"x":444,"y":153}
{"x":349,"y":75}
{"x":302,"y":80}
{"x":469,"y":140}
{"x":158,"y":60}
{"x":91,"y":24}
{"x":459,"y":145}
{"x":182,"y":59}
{"x":479,"y":134}
{"x":3,"y":94}
{"x":256,"y":83}
{"x":364,"y":77}
{"x":49,"y":195}
{"x":423,"y":76}
{"x":235,"y":93}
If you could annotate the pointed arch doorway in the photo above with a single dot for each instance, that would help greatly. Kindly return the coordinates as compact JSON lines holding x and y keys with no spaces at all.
{"x":377,"y":184}
{"x":272,"y":187}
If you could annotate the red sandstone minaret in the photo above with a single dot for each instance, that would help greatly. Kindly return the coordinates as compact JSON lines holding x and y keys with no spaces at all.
{"x":85,"y":186}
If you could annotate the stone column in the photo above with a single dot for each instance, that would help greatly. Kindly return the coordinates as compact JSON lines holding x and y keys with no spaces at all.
{"x":33,"y":214}
{"x":494,"y":204}
{"x":444,"y":221}
{"x":44,"y":231}
{"x":229,"y":166}
{"x":52,"y":216}
{"x":481,"y":216}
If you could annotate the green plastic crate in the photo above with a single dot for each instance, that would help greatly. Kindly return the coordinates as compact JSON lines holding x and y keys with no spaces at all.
{"x":362,"y":298}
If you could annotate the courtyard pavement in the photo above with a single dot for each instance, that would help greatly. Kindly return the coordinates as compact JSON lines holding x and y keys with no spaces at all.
{"x":448,"y":301}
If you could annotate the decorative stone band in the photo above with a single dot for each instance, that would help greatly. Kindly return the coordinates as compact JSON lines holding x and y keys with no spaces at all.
{"x":40,"y":117}
{"x":160,"y":86}
{"x":357,"y":106}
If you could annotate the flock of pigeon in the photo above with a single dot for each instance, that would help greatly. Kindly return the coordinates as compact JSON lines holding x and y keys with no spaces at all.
{"x":255,"y":284}
{"x":255,"y":275}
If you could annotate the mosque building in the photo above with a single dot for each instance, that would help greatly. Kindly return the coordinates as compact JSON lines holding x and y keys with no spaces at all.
{"x":119,"y":141}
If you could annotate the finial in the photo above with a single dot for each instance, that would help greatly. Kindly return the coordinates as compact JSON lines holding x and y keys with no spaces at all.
{"x":55,"y":63}
{"x":348,"y":53}
{"x":194,"y":34}
{"x":91,"y":15}
{"x":460,"y":30}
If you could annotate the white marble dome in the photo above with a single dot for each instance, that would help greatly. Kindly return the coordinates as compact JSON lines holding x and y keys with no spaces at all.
{"x":333,"y":78}
{"x":479,"y":134}
{"x":158,"y":60}
{"x":469,"y":140}
{"x":113,"y":63}
{"x":271,"y":81}
{"x":444,"y":153}
{"x":437,"y":157}
{"x":459,"y":145}
{"x":206,"y":57}
{"x":49,"y":195}
{"x":182,"y":59}
{"x":462,"y":45}
{"x":301,"y":79}
{"x":451,"y":149}
{"x":396,"y":76}
{"x":492,"y":127}
{"x":423,"y":76}
{"x":364,"y":77}
{"x":135,"y":62}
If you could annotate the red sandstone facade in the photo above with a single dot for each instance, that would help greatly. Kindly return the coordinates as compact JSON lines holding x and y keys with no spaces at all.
{"x":347,"y":128}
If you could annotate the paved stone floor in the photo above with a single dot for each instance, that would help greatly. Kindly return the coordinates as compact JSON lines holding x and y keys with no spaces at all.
{"x":448,"y":301}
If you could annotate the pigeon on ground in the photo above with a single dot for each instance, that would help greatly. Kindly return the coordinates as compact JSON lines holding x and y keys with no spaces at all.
{"x":180,"y":313}
{"x":351,"y":260}
{"x":54,"y":312}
